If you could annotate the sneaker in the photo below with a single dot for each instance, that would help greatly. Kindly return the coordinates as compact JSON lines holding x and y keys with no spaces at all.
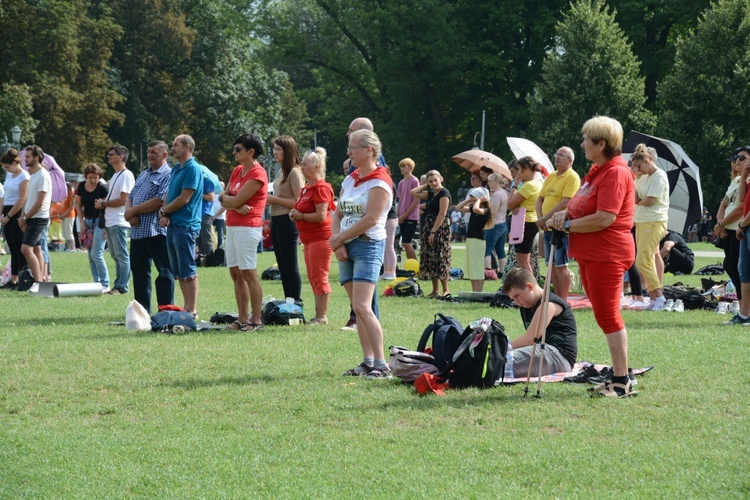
{"x":734,"y":307}
{"x":9,"y":286}
{"x":34,"y":288}
{"x":723,"y":308}
{"x":657,"y":305}
{"x":351,"y":325}
{"x":106,"y":289}
{"x":379,"y":373}
{"x":669,"y":305}
{"x":583,"y":376}
{"x":388,"y":277}
{"x":615,"y":390}
{"x":736,"y":320}
{"x":679,"y":306}
{"x":637,"y":304}
{"x":604,"y":376}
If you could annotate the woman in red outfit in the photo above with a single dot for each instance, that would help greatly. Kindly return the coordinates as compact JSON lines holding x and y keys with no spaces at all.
{"x":312,"y":212}
{"x":599,"y":218}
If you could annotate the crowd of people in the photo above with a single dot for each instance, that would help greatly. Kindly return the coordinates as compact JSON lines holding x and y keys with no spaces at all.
{"x":169,"y":215}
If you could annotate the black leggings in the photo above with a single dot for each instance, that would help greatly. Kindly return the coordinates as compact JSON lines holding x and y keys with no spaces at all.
{"x":284,"y":236}
{"x":14,"y":238}
{"x":732,"y":258}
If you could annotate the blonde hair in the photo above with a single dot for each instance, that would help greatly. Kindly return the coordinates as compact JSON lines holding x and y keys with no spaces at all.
{"x":609,"y":130}
{"x":432,"y":173}
{"x":406,"y":162}
{"x":641,"y":153}
{"x":495,"y":177}
{"x":319,"y":157}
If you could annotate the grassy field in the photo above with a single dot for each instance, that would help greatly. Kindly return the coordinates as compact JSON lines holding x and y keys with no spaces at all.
{"x":91,"y":410}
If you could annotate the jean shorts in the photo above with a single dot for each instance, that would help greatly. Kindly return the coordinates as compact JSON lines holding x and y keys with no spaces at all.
{"x":35,"y":228}
{"x":561,"y":253}
{"x":181,"y":250}
{"x":744,"y":262}
{"x":364,"y":262}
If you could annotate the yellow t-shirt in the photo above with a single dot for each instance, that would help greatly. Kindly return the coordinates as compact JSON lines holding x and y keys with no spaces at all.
{"x":556,"y":187}
{"x":530,"y":190}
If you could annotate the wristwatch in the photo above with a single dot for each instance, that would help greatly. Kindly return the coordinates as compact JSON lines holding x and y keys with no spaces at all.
{"x":566,"y":226}
{"x":104,"y":204}
{"x":162,"y":213}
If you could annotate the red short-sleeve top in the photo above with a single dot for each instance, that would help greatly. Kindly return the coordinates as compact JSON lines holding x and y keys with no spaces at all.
{"x":311,"y":195}
{"x":257,"y":201}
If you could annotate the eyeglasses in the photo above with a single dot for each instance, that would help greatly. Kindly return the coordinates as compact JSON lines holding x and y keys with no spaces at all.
{"x":556,"y":155}
{"x":238,"y":149}
{"x":113,"y":154}
{"x":350,"y":149}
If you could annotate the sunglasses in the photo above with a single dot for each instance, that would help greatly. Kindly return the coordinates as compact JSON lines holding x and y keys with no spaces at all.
{"x":740,"y":157}
{"x":238,"y":149}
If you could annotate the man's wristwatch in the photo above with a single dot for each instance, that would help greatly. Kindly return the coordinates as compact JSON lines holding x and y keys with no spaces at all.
{"x":566,"y":226}
{"x":162,"y":213}
{"x":104,"y":203}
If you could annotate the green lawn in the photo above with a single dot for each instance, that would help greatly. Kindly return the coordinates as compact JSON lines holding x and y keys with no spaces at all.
{"x":91,"y":410}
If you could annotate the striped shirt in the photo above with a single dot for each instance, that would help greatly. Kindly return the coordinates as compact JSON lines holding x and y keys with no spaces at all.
{"x":149,"y":185}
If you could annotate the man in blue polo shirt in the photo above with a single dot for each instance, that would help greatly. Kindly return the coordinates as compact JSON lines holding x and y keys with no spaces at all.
{"x":148,"y":240}
{"x":181,"y":215}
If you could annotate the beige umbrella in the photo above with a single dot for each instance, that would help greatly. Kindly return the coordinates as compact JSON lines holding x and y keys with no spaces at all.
{"x":474,"y":159}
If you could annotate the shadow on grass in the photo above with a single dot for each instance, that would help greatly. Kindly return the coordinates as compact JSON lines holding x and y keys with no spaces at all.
{"x":191,"y":384}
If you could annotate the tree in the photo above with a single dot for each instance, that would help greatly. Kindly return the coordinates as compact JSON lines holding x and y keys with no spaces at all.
{"x":16,"y":110}
{"x":702,"y":98}
{"x":591,"y":71}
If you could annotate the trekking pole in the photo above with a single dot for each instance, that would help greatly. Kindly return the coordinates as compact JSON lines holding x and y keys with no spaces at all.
{"x":541,"y":335}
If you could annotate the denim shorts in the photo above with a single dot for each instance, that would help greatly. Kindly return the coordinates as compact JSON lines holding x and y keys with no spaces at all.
{"x":35,"y":228}
{"x":181,"y":250}
{"x":364,"y":262}
{"x":561,"y":253}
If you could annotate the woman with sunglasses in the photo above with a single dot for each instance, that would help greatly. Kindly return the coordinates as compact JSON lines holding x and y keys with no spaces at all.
{"x":729,"y":214}
{"x":286,"y":189}
{"x":244,"y":199}
{"x":16,"y":185}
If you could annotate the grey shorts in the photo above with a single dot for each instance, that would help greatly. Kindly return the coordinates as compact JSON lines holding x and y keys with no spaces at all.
{"x":554,"y":361}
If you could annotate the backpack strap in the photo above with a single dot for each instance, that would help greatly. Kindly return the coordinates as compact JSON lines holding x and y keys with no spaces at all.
{"x":427,"y":333}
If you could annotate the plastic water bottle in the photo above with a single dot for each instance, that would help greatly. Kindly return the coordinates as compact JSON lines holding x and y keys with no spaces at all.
{"x":509,"y":363}
{"x":730,"y":290}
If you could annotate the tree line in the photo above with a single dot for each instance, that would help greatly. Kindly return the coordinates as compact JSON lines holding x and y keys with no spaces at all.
{"x":83,"y":74}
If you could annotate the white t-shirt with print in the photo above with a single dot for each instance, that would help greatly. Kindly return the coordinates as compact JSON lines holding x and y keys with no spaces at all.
{"x":123,"y":183}
{"x":353,"y":204}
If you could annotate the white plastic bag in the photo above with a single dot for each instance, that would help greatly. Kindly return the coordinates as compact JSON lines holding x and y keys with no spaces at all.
{"x":136,"y":317}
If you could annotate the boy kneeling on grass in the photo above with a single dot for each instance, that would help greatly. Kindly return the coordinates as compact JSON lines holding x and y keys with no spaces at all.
{"x":561,"y":346}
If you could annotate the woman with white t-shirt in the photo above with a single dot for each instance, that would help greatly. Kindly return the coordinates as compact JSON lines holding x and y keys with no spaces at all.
{"x":16,"y":185}
{"x":358,"y":242}
{"x":651,"y":214}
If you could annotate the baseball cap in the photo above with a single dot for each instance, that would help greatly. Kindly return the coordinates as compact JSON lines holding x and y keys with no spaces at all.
{"x":739,"y":150}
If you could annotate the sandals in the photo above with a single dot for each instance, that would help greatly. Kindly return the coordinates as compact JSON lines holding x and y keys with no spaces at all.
{"x":360,"y":370}
{"x":318,"y":321}
{"x":616,"y":390}
{"x":252,"y":327}
{"x":236,"y":325}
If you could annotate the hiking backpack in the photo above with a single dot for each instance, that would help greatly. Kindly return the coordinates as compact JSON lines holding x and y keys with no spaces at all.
{"x":446,"y":337}
{"x":272,"y":273}
{"x":170,"y":321}
{"x":408,"y":365}
{"x":407,"y":288}
{"x":281,"y":312}
{"x":480,"y":358}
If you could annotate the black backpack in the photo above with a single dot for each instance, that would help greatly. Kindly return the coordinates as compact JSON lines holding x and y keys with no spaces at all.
{"x":166,"y":321}
{"x":446,"y":337}
{"x":272,"y":273}
{"x":407,"y":288}
{"x":482,"y":365}
{"x":215,"y":259}
{"x":25,"y":279}
{"x":278,"y":312}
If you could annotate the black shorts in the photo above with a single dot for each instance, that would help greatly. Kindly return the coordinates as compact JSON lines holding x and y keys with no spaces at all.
{"x":530,"y":231}
{"x":408,"y":228}
{"x":34,"y":229}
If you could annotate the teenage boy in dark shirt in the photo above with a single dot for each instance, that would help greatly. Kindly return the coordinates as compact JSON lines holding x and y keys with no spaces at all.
{"x":561,"y":346}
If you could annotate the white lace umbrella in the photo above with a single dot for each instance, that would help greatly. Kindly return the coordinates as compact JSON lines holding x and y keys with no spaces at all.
{"x":524,"y":147}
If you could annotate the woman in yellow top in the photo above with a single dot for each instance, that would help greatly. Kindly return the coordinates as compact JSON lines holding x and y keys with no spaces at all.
{"x":525,"y":197}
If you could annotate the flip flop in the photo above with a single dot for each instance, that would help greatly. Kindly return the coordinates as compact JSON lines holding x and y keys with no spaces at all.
{"x":252,"y":327}
{"x":239,"y":325}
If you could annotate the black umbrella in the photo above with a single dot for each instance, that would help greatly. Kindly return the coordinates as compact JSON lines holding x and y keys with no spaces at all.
{"x":685,"y":193}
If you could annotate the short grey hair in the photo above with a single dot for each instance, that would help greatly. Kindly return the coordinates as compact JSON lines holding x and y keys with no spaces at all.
{"x":186,"y":140}
{"x":368,"y":138}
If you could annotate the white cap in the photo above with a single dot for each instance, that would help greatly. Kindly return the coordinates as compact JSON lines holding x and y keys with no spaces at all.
{"x":478,"y":192}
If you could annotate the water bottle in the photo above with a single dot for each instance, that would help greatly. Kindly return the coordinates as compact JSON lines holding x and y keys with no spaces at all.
{"x":730,"y":290}
{"x":509,"y":363}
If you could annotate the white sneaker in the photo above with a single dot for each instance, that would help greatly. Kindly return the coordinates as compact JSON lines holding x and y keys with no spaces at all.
{"x":637,"y":304}
{"x":389,"y":277}
{"x":669,"y":305}
{"x":723,"y":308}
{"x":657,"y":305}
{"x":679,"y":306}
{"x":734,"y":307}
{"x":34,"y":288}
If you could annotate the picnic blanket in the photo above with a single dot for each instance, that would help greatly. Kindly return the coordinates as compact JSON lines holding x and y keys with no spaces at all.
{"x":558,"y":377}
{"x":578,"y":301}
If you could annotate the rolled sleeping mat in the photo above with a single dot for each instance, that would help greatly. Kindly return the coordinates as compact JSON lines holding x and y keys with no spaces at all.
{"x":77,"y":289}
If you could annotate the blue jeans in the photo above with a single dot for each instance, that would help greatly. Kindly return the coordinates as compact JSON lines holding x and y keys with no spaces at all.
{"x":495,"y":240}
{"x":221,"y":227}
{"x":744,"y":263}
{"x":143,"y":252}
{"x":365,"y":260}
{"x":181,"y":249}
{"x":117,"y":240}
{"x":96,"y":254}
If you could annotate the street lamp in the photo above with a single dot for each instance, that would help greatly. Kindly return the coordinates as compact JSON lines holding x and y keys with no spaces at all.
{"x":475,"y":146}
{"x":15,"y":133}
